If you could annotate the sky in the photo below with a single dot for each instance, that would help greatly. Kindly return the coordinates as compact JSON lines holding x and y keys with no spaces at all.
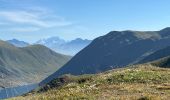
{"x":31,"y":20}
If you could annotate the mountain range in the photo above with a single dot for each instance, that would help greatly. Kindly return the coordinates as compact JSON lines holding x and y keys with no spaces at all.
{"x":65,"y":47}
{"x":121,"y":57}
{"x":144,"y":81}
{"x":18,"y":43}
{"x":57,"y":44}
{"x":114,"y":50}
{"x":26,"y":65}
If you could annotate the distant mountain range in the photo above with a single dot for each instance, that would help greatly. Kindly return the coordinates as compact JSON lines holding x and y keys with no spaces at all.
{"x":114,"y":50}
{"x":65,"y":47}
{"x":31,"y":64}
{"x":18,"y":43}
{"x":59,"y":45}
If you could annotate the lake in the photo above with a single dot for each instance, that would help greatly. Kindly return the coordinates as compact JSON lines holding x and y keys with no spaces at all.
{"x":16,"y":91}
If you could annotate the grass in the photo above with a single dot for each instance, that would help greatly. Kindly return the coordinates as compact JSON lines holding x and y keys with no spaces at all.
{"x":140,"y":82}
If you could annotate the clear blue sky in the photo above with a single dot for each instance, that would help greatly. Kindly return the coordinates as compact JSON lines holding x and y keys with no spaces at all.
{"x":30,"y":20}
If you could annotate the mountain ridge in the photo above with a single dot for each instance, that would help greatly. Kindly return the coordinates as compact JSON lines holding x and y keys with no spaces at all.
{"x":65,"y":47}
{"x":113,"y":50}
{"x":20,"y":65}
{"x":18,"y":43}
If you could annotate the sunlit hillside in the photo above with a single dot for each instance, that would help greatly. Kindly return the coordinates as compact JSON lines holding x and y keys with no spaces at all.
{"x":137,"y":82}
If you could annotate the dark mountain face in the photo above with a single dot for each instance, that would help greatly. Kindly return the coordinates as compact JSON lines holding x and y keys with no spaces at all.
{"x":29,"y":64}
{"x":165,"y":32}
{"x":165,"y":52}
{"x":116,"y":49}
{"x":163,"y":62}
{"x":18,"y":43}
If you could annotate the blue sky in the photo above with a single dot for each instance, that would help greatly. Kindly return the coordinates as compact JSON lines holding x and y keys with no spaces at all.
{"x":31,"y":20}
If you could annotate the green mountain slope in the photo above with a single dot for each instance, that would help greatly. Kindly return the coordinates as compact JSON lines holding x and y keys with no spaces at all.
{"x":27,"y":65}
{"x":139,"y":82}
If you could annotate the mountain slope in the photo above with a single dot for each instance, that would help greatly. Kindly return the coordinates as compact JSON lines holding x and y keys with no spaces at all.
{"x":28,"y":64}
{"x":165,"y":52}
{"x":64,"y":47}
{"x":115,"y":49}
{"x":18,"y":43}
{"x":163,"y":62}
{"x":139,"y":82}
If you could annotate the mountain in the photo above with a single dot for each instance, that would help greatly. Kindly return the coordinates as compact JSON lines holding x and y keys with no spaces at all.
{"x":64,"y":47}
{"x":162,"y":53}
{"x":18,"y":43}
{"x":114,"y":50}
{"x":51,"y":41}
{"x":163,"y":62}
{"x":137,"y":82}
{"x":25,"y":65}
{"x":74,"y":46}
{"x":165,"y":32}
{"x":59,"y":45}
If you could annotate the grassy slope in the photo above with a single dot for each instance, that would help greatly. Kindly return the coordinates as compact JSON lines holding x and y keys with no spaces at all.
{"x":27,"y":65}
{"x":143,"y":82}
